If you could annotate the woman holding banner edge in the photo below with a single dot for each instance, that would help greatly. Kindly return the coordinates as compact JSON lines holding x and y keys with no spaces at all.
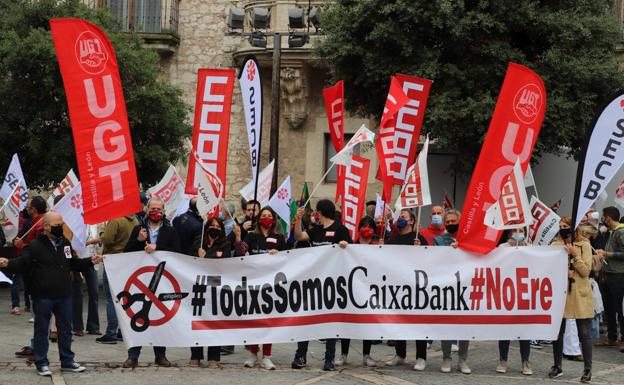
{"x":263,"y":239}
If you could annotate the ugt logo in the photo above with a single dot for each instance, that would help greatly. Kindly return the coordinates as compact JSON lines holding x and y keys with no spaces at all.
{"x":527,"y":103}
{"x":146,"y":296}
{"x":91,"y":53}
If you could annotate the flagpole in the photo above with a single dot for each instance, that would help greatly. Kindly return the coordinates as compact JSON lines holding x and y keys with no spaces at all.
{"x":418,"y":220}
{"x":383,"y":218}
{"x":318,"y":184}
{"x":201,"y":242}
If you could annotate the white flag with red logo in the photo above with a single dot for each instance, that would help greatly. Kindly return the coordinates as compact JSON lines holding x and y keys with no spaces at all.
{"x":13,"y":176}
{"x":280,"y":203}
{"x":209,"y":193}
{"x":264,"y":186}
{"x":511,"y":210}
{"x":415,"y":191}
{"x":11,"y":211}
{"x":171,"y":190}
{"x":71,"y":209}
{"x":619,"y":194}
{"x":545,"y":223}
{"x":64,"y":187}
{"x":362,"y":135}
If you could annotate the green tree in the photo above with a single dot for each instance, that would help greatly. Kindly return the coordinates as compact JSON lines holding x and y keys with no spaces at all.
{"x":34,"y":120}
{"x":464,"y":47}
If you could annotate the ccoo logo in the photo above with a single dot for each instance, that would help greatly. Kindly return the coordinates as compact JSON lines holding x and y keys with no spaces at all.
{"x":91,"y":53}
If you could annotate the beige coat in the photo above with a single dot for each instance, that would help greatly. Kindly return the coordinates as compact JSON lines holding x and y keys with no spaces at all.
{"x":579,"y":301}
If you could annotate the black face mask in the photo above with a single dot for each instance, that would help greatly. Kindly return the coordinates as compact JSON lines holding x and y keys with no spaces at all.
{"x":565,"y":233}
{"x":452,"y":229}
{"x":57,"y":231}
{"x":214,"y":233}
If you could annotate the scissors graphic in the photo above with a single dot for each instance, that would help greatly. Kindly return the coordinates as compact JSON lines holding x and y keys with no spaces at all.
{"x":140,"y":320}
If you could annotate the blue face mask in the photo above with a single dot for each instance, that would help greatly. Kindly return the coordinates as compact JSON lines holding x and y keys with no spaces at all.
{"x":221,"y":216}
{"x":436,"y":219}
{"x":228,"y":224}
{"x":518,"y":237}
{"x":401,"y":223}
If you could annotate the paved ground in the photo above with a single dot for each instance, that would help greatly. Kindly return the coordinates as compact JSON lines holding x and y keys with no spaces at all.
{"x":104,"y":364}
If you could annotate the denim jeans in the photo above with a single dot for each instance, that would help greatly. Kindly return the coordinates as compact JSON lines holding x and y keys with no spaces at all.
{"x":111,"y":318}
{"x":43,"y":309}
{"x":15,"y":292}
{"x":91,"y":279}
{"x":330,"y":349}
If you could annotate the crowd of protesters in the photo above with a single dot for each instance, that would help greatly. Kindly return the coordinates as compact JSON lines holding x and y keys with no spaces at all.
{"x":53,"y":290}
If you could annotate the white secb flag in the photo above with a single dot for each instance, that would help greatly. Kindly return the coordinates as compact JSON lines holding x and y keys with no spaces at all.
{"x":362,"y":135}
{"x":264,"y":186}
{"x":251,"y":91}
{"x":15,"y":175}
{"x":280,"y":202}
{"x":545,"y":223}
{"x":71,"y":209}
{"x":511,"y":210}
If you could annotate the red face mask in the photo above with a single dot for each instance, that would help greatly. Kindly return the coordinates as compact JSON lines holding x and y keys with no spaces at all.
{"x":366,"y":232}
{"x":155,"y":216}
{"x":266,"y":222}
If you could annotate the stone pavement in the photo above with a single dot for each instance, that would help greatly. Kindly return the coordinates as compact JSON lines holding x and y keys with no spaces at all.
{"x":104,"y":364}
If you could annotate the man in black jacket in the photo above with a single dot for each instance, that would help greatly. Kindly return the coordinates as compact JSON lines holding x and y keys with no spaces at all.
{"x":48,"y":259}
{"x":189,"y":227}
{"x":154,"y":234}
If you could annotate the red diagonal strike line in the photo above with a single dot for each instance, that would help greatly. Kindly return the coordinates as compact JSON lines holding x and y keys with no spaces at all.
{"x":152,"y":297}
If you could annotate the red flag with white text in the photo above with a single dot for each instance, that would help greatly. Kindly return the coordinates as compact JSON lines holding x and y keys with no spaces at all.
{"x":354,"y":198}
{"x":512,"y":134}
{"x":385,"y":138}
{"x":99,"y":120}
{"x":334,"y":105}
{"x":211,"y":126}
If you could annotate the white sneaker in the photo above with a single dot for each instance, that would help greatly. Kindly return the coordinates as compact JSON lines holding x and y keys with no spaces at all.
{"x":252,"y":360}
{"x":267,"y":363}
{"x":396,"y":360}
{"x":526,"y":368}
{"x":368,"y":361}
{"x":31,"y":320}
{"x":420,"y":364}
{"x":463,"y":367}
{"x":501,"y":367}
{"x":341,"y":361}
{"x":446,"y":365}
{"x":74,"y":367}
{"x":44,"y":371}
{"x":454,"y":348}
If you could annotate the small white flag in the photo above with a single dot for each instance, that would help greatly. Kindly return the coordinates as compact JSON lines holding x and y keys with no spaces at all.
{"x":545,"y":223}
{"x":71,"y":209}
{"x":170,"y":189}
{"x":11,"y":211}
{"x":280,"y":203}
{"x":362,"y":135}
{"x":511,"y":210}
{"x":15,"y":175}
{"x":209,"y":193}
{"x":415,"y":191}
{"x":264,"y":186}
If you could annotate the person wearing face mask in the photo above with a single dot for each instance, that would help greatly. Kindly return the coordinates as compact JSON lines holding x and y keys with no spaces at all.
{"x":228,"y":221}
{"x":252,"y":209}
{"x":517,"y":238}
{"x":407,"y":236}
{"x":154,"y":234}
{"x":613,"y":270}
{"x":449,"y":238}
{"x":262,"y":240}
{"x":366,"y":236}
{"x":579,"y":303}
{"x":49,"y":261}
{"x":188,"y":226}
{"x":215,"y":245}
{"x":327,"y":231}
{"x":436,"y":227}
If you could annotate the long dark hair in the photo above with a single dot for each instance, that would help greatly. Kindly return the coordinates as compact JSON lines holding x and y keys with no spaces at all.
{"x":221,"y":238}
{"x":258,"y":227}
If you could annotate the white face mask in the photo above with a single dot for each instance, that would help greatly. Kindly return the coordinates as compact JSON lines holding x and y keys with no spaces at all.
{"x":594,"y":215}
{"x":518,"y":237}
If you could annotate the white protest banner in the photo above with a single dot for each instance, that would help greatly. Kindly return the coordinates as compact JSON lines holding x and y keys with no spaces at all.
{"x":545,"y":223}
{"x":264,"y":186}
{"x":389,"y":292}
{"x":71,"y":209}
{"x":14,"y":176}
{"x":170,"y":189}
{"x":511,"y":210}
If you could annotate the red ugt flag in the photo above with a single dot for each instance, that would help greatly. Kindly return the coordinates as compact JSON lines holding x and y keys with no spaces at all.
{"x":99,"y":121}
{"x":512,"y":134}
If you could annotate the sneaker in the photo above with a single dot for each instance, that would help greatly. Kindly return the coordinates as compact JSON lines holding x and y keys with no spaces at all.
{"x":298,"y":363}
{"x":31,"y":320}
{"x":267,"y":364}
{"x":454,"y":348}
{"x":251,"y":361}
{"x":341,"y":361}
{"x":73,"y":367}
{"x":545,"y":342}
{"x":501,"y":367}
{"x":420,"y":364}
{"x":446,"y":365}
{"x":368,"y":361}
{"x":586,"y":377}
{"x":463,"y":367}
{"x":44,"y":371}
{"x":329,"y":366}
{"x":527,"y":370}
{"x":106,"y":340}
{"x":535,"y":344}
{"x":396,"y":360}
{"x":16,"y":311}
{"x":555,"y":372}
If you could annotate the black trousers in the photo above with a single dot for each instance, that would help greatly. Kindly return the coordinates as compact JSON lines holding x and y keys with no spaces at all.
{"x":584,"y":334}
{"x":614,"y":294}
{"x":400,"y":348}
